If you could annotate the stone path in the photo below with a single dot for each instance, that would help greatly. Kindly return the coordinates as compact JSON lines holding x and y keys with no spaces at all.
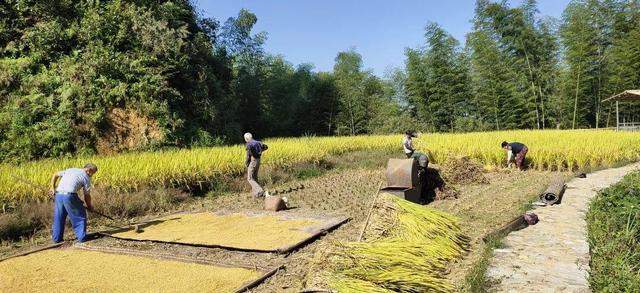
{"x":553,"y":255}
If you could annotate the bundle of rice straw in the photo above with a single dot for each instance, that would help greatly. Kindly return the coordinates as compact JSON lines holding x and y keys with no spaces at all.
{"x":408,"y":251}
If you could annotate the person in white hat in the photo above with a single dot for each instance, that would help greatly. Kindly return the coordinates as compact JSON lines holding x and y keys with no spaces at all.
{"x":254,"y":152}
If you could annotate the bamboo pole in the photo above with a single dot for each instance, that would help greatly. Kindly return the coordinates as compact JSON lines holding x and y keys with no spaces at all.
{"x":257,"y":282}
{"x":516,"y":224}
{"x":617,"y":116}
{"x":366,"y":222}
{"x":50,"y":246}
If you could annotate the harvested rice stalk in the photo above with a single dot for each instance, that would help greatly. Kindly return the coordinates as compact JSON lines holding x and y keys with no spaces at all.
{"x":351,"y":285}
{"x":408,"y":251}
{"x":398,"y":279}
{"x":463,"y":170}
{"x":395,"y":253}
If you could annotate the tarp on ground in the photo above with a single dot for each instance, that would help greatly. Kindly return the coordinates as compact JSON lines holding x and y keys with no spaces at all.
{"x":74,"y":270}
{"x":260,"y":232}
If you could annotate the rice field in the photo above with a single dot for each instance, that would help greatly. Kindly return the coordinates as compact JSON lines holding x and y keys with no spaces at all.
{"x":548,"y":150}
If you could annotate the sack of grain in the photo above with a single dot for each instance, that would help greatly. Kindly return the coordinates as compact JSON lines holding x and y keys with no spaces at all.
{"x":274,"y":203}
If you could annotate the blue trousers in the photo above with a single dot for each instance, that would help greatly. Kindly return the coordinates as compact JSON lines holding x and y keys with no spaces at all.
{"x":69,"y":205}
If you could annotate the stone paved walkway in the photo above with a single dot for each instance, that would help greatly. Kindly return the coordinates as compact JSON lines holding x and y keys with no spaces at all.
{"x":553,"y":255}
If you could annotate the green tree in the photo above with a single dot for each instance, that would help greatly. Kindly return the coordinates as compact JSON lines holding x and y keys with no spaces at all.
{"x":438,"y":83}
{"x":514,"y":64}
{"x":249,"y":70}
{"x":349,"y":82}
{"x":67,"y":64}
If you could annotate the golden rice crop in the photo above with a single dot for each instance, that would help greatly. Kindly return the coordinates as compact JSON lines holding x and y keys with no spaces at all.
{"x":549,"y":149}
{"x":412,"y":259}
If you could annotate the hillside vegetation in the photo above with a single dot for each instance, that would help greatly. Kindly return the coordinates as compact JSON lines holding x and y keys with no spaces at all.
{"x":98,"y":77}
{"x":66,"y":65}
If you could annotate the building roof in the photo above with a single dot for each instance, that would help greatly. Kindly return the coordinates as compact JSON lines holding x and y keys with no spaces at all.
{"x":626,"y":96}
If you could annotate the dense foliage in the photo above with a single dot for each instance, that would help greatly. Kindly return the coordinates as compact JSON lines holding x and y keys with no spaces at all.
{"x":614,"y":237}
{"x":79,"y":77}
{"x":84,"y":77}
{"x":65,"y":64}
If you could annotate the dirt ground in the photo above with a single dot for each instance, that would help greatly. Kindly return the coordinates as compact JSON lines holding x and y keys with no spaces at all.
{"x":482,"y":207}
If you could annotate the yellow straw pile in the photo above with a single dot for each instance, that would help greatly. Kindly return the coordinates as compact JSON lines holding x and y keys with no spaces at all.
{"x":411,"y":258}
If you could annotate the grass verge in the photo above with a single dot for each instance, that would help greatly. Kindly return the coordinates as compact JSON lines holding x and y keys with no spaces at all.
{"x":613,"y":223}
{"x":475,"y":280}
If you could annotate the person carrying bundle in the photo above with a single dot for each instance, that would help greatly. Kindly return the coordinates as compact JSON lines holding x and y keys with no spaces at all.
{"x":515,"y":152}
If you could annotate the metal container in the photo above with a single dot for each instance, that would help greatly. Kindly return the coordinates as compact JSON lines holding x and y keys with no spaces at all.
{"x":403,"y":180}
{"x":402,"y":173}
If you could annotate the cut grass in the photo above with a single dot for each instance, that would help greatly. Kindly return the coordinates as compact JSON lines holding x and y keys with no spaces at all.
{"x":613,"y":223}
{"x":71,"y":270}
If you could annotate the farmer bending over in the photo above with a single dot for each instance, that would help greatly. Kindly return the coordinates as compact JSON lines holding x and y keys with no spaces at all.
{"x":254,"y":152}
{"x":68,"y":203}
{"x":517,"y":150}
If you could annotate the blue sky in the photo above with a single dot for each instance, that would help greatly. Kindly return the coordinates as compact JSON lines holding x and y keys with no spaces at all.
{"x":314,"y":32}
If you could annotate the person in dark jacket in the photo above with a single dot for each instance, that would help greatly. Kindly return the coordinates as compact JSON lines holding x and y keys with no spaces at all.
{"x":515,"y":152}
{"x":252,"y":161}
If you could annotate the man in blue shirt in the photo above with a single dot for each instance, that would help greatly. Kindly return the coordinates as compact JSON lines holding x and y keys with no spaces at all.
{"x":68,"y":203}
{"x":252,"y":161}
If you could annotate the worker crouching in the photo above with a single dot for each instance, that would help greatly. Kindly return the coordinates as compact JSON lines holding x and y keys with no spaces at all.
{"x":515,"y":152}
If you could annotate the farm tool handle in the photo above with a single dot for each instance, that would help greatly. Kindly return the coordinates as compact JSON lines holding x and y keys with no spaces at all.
{"x":100,"y":214}
{"x":366,"y":222}
{"x":43,"y":188}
